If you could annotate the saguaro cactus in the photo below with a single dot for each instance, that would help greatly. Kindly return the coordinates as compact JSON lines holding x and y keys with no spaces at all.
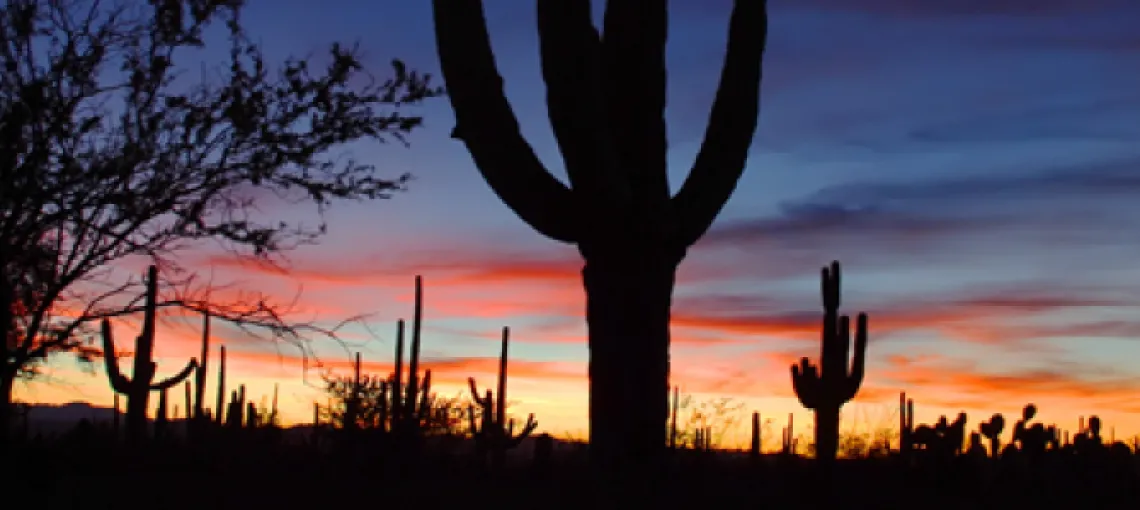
{"x":497,"y":434}
{"x":137,"y":389}
{"x":906,"y":424}
{"x":827,"y":388}
{"x":756,"y":444}
{"x":606,"y":101}
{"x":410,"y":401}
{"x":200,"y":372}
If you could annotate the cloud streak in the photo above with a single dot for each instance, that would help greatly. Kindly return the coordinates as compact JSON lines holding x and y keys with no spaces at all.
{"x":940,"y":8}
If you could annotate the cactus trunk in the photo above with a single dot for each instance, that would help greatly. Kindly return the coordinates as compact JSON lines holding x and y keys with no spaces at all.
{"x":627,"y":310}
{"x":826,"y":432}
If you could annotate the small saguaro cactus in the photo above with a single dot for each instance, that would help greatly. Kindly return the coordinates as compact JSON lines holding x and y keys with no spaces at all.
{"x":137,"y":388}
{"x":496,"y":434}
{"x":788,"y":439}
{"x":756,"y":444}
{"x":235,"y":412}
{"x":408,"y":404}
{"x":825,"y":389}
{"x":353,"y":402}
{"x":906,"y":424}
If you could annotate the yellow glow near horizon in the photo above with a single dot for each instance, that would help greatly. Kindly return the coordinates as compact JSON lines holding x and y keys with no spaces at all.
{"x":560,"y":408}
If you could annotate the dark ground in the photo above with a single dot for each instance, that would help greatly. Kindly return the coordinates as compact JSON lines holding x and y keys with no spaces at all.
{"x":97,"y":477}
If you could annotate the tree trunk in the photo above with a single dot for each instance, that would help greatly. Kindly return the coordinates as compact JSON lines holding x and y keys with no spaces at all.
{"x":628,"y":302}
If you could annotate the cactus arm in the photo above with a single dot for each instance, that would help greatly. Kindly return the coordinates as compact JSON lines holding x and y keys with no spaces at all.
{"x":571,"y":58}
{"x":805,"y":384}
{"x":488,"y":127}
{"x":732,"y":123}
{"x":177,"y":378}
{"x":855,"y":379}
{"x":512,"y":441}
{"x":531,"y":424}
{"x":119,"y":382}
{"x":474,"y":391}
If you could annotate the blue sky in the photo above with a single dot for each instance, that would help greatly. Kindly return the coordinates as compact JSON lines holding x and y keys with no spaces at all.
{"x":975,"y":166}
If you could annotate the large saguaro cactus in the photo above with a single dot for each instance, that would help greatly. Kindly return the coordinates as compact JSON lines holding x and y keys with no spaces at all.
{"x":606,"y":101}
{"x":138,"y":387}
{"x":825,"y":389}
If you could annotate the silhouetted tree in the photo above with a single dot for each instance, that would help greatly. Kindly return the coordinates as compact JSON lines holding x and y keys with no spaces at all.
{"x":108,"y":153}
{"x":370,"y":405}
{"x":606,"y":100}
{"x":716,"y":417}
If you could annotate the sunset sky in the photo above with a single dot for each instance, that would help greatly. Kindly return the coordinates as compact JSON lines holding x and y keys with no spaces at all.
{"x":973,"y":164}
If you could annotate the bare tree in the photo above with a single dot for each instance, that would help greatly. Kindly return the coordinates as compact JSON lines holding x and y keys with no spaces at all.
{"x":108,"y":152}
{"x":717,"y":417}
{"x":369,"y":404}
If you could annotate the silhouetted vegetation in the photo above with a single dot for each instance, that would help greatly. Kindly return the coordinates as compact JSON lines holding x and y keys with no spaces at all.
{"x":396,"y":432}
{"x":108,"y":154}
{"x":82,"y":189}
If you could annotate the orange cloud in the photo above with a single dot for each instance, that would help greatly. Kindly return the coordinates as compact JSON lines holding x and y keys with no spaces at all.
{"x":457,"y":370}
{"x":548,"y":288}
{"x":722,"y":345}
{"x":987,"y":319}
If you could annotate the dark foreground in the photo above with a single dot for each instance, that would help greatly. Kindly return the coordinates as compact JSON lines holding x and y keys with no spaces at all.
{"x":96,"y":476}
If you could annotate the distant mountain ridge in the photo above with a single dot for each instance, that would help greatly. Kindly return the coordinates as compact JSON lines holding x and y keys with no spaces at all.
{"x":52,"y":419}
